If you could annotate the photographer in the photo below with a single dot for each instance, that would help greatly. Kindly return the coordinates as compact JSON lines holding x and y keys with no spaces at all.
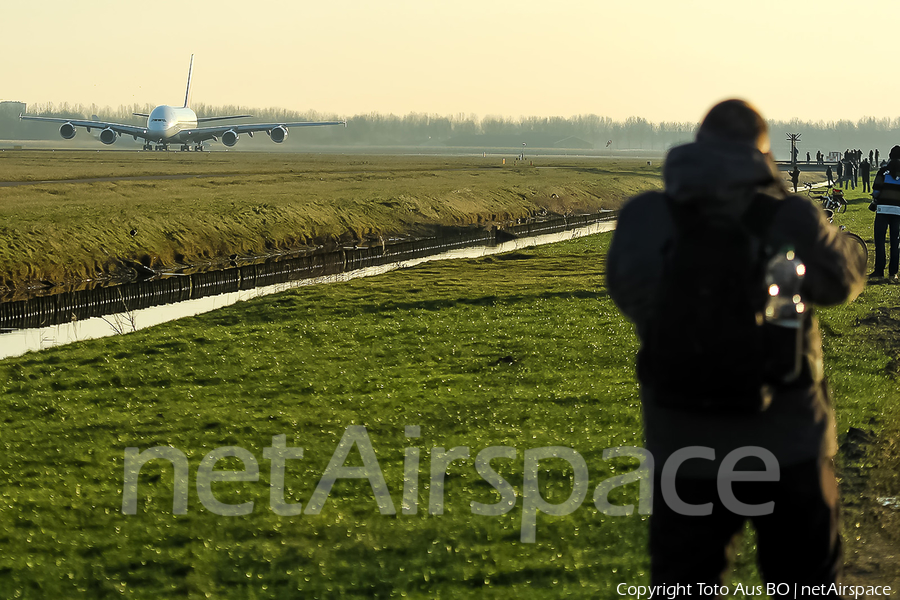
{"x":702,"y":366}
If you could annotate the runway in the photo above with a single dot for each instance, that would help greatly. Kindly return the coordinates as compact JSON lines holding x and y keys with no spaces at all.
{"x":108,"y":179}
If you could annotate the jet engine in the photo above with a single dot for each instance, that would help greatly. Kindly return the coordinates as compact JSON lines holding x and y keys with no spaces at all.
{"x":279,"y":134}
{"x":230,"y":138}
{"x":108,"y":136}
{"x":67,"y":131}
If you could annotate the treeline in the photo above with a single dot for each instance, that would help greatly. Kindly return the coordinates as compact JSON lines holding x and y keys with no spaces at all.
{"x":583,"y":132}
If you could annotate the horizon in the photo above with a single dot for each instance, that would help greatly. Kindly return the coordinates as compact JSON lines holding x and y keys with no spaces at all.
{"x":65,"y":106}
{"x":657,"y":61}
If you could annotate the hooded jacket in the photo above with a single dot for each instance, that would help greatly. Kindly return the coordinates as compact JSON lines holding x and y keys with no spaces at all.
{"x":724,"y":178}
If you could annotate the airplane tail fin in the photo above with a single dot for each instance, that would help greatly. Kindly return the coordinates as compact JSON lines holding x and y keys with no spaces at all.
{"x":187,"y":93}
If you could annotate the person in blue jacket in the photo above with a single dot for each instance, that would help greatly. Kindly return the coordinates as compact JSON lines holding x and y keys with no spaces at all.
{"x":886,"y":202}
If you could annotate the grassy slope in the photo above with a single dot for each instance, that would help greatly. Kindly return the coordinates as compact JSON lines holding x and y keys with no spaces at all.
{"x":524,"y":350}
{"x":50,"y":232}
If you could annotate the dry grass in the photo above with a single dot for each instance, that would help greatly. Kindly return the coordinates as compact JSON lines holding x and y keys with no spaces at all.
{"x":252,"y":204}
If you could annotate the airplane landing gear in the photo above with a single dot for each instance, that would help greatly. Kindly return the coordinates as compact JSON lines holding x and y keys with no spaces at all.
{"x":163,"y":147}
{"x":148,"y":146}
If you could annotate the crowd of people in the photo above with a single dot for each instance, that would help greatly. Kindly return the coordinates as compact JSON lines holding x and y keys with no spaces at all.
{"x":851,"y":166}
{"x":854,"y":167}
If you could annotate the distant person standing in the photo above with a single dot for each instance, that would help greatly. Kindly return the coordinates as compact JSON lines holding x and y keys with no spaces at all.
{"x":848,"y":171}
{"x":876,"y":157}
{"x":795,"y":177}
{"x":840,"y":172}
{"x":864,"y":171}
{"x":871,"y":158}
{"x":807,"y":158}
{"x":829,"y":174}
{"x":886,"y":198}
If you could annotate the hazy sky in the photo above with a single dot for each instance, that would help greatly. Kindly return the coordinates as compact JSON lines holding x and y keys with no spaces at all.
{"x":664,"y":60}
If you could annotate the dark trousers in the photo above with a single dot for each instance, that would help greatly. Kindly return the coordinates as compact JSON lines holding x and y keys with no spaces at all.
{"x":798,"y":543}
{"x":884,"y":222}
{"x":867,"y":187}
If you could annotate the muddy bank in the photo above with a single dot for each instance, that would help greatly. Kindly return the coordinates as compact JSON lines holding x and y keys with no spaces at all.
{"x":869,"y":463}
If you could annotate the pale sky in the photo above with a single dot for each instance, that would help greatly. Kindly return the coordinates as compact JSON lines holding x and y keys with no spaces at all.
{"x":663,"y":60}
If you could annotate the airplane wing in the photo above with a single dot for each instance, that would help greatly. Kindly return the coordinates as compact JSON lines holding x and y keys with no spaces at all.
{"x":206,"y":119}
{"x":251,"y":127}
{"x":229,"y":133}
{"x":133,"y":130}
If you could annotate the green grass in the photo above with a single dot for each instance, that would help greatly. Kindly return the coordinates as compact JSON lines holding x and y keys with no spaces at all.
{"x":861,"y":342}
{"x":461,"y":350}
{"x":267,"y":203}
{"x":522,"y":350}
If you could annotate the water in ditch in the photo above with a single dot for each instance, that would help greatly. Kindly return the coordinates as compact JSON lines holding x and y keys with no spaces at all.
{"x":17,"y":340}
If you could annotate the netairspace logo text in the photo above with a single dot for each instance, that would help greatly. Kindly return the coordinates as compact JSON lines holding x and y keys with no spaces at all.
{"x":440,"y":459}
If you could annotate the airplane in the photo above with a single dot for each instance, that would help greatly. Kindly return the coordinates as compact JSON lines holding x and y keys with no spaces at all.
{"x":177,"y":124}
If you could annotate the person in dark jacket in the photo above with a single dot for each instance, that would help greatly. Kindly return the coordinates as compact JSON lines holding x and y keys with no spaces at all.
{"x":865,"y":168}
{"x":722,"y":174}
{"x":829,"y":174}
{"x":886,"y":197}
{"x":795,"y":177}
{"x":845,"y":172}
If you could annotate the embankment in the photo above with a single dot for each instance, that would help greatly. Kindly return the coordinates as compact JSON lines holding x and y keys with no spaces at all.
{"x":61,"y":234}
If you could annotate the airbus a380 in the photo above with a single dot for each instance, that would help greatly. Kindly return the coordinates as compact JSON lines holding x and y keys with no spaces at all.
{"x":178,"y":124}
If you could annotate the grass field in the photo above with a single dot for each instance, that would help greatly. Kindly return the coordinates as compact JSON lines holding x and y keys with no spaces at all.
{"x":256,"y":204}
{"x":524,"y":351}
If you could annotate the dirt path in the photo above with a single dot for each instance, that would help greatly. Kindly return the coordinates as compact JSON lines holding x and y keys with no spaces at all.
{"x":869,"y":482}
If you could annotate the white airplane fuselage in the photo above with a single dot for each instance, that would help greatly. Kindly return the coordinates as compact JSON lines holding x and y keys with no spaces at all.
{"x":165,"y":123}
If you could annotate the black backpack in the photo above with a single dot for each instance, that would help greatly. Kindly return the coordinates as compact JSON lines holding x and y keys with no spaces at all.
{"x":706,"y":345}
